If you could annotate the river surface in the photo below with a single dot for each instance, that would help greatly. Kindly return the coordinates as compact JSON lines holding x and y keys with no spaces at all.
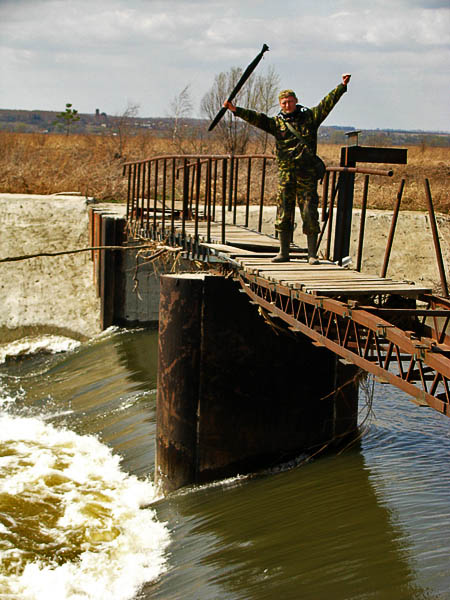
{"x":80,"y":518}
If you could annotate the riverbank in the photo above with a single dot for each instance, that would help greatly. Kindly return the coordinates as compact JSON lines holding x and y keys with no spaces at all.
{"x":56,"y":294}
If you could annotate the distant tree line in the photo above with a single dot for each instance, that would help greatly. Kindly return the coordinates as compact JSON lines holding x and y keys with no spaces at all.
{"x":190,"y":134}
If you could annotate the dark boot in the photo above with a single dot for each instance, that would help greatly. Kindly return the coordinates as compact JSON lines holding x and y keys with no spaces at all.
{"x":312,"y":247}
{"x":285,"y":242}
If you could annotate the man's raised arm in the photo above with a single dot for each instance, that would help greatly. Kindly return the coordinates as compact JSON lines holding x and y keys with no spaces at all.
{"x":322,"y":110}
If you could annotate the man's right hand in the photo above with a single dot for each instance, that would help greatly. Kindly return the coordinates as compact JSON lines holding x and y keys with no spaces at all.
{"x":229,"y":105}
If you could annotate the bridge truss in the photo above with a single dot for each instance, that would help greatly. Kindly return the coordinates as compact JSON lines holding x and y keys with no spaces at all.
{"x":416,"y":360}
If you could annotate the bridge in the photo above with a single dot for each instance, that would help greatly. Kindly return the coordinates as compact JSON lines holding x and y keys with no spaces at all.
{"x":396,"y":330}
{"x":213,"y":210}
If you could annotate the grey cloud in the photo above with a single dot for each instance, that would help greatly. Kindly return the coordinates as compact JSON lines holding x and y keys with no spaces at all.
{"x":148,"y":50}
{"x":426,"y":4}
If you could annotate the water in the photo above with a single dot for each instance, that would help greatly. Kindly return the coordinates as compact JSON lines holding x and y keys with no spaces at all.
{"x":81,"y":519}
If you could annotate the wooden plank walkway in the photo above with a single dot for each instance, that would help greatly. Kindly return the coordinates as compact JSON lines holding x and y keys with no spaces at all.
{"x":235,"y":235}
{"x":252,"y":252}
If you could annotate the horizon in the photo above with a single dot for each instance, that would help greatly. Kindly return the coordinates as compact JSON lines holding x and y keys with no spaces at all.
{"x":337,"y":126}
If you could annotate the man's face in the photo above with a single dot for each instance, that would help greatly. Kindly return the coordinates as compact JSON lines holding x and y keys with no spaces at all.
{"x":288,"y":104}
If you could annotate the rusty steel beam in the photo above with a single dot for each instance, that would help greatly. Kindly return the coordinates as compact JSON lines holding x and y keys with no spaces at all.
{"x":329,"y":322}
{"x":363,"y":170}
{"x":224,"y":195}
{"x":261,"y":201}
{"x":149,"y":208}
{"x":247,"y":196}
{"x":334,"y":189}
{"x":437,"y":245}
{"x":362,"y":223}
{"x":390,"y":241}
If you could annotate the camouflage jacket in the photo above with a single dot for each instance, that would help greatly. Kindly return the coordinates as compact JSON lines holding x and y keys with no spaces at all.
{"x":305,"y":120}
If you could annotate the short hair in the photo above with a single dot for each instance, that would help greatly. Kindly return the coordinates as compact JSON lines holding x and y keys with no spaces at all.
{"x":286,"y":94}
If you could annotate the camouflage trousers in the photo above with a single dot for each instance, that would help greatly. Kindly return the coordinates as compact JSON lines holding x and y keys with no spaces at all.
{"x":297,"y":183}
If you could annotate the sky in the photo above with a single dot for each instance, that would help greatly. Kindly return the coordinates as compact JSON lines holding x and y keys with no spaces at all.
{"x":112,"y":54}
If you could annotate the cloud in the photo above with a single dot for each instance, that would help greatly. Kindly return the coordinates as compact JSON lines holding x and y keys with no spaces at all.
{"x":106,"y":51}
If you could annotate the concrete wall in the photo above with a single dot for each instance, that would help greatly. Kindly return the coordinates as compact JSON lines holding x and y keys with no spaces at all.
{"x":140,"y":290}
{"x":62,"y":294}
{"x":128,"y":281}
{"x":55,"y":294}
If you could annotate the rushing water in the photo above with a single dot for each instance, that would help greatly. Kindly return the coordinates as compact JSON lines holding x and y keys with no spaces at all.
{"x":80,"y":517}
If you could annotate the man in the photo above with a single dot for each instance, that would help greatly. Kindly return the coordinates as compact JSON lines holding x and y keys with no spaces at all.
{"x":295,"y":130}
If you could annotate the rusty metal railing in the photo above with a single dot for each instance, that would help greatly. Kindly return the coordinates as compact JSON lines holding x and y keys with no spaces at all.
{"x":165,"y":192}
{"x":368,"y":336}
{"x":332,"y":185}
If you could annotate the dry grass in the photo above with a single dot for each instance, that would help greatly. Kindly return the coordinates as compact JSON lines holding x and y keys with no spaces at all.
{"x":47,"y":164}
{"x":91,"y":165}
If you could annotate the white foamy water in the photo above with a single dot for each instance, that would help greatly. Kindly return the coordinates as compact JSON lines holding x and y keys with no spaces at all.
{"x":71,"y":521}
{"x":50,"y":344}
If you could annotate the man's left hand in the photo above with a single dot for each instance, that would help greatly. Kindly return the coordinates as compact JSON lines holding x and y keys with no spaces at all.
{"x":346,"y":78}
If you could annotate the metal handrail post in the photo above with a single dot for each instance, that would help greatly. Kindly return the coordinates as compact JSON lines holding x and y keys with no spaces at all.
{"x":362,"y":223}
{"x":261,"y":201}
{"x":437,"y":245}
{"x":191,"y":168}
{"x":128,"y":192}
{"x":224,"y":196}
{"x":172,"y":216}
{"x":330,"y":214}
{"x":215,"y":190}
{"x":149,"y":185}
{"x":208,"y":200}
{"x":197,"y":197}
{"x":163,"y":216}
{"x":156,"y":194}
{"x":144,"y":169}
{"x":236,"y":173}
{"x":133,"y":193}
{"x":230,"y":183}
{"x":185,"y":197}
{"x":247,"y":199}
{"x":139,"y":210}
{"x":390,"y":240}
